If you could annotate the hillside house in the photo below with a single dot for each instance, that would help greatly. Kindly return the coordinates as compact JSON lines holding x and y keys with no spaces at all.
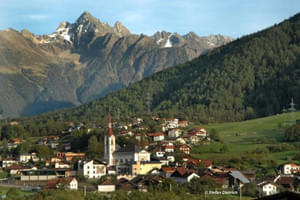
{"x":174,"y":133}
{"x":201,"y":132}
{"x":159,"y":136}
{"x":183,"y":123}
{"x":184,"y":148}
{"x":14,"y":143}
{"x":9,"y":162}
{"x":267,"y":188}
{"x":290,"y":168}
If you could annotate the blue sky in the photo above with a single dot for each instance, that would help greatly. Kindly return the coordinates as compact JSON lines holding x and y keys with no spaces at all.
{"x":229,"y":17}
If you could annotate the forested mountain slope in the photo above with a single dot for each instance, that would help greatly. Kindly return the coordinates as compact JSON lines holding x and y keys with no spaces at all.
{"x":256,"y":75}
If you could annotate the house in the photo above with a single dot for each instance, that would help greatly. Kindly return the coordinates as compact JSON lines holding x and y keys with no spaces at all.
{"x":174,"y":132}
{"x":142,"y":182}
{"x":107,"y":186}
{"x":199,"y":132}
{"x":237,"y":179}
{"x":126,"y":185}
{"x":92,"y":169}
{"x":183,"y":175}
{"x":143,"y":168}
{"x":24,"y":158}
{"x":289,"y":182}
{"x":169,"y":124}
{"x":183,"y":123}
{"x":168,"y":147}
{"x":13,"y":143}
{"x":158,"y":153}
{"x":70,"y":183}
{"x":159,"y":136}
{"x":70,"y":155}
{"x":62,"y":165}
{"x":9,"y":162}
{"x":290,"y":168}
{"x":191,"y":138}
{"x":184,"y":148}
{"x":267,"y":188}
{"x":220,"y":179}
{"x":167,"y":171}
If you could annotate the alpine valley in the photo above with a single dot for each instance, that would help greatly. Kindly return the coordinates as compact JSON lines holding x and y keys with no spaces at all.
{"x":85,"y":60}
{"x":254,"y":76}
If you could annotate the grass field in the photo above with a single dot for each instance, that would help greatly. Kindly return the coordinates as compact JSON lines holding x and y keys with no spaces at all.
{"x":250,"y":135}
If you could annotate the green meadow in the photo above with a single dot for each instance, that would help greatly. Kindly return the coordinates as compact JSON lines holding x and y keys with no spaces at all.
{"x":255,"y":135}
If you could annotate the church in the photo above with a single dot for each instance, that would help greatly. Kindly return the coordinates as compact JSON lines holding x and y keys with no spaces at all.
{"x":125,"y":157}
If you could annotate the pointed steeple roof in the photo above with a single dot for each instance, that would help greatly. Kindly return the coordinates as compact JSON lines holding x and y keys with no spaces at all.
{"x":110,"y":131}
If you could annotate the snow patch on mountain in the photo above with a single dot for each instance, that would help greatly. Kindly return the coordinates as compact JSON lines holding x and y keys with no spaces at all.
{"x":168,"y":43}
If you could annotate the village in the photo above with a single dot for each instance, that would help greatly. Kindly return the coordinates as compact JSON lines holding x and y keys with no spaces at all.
{"x":135,"y":166}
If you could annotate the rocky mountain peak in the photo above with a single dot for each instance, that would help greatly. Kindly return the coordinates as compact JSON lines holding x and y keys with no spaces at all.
{"x":86,"y":17}
{"x":120,"y":29}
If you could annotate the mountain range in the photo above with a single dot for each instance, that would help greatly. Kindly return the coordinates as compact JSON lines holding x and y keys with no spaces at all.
{"x":85,"y":60}
{"x":253,"y":76}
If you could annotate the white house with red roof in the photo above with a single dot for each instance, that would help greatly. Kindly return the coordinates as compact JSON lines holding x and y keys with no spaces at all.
{"x":290,"y":168}
{"x":158,"y":136}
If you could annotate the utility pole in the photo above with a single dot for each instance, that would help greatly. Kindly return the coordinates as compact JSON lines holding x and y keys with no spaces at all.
{"x":240,"y":192}
{"x":84,"y":191}
{"x":292,"y":109}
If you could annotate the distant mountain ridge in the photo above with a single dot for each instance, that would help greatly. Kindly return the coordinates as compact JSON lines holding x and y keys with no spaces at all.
{"x":254,"y":76}
{"x":84,"y":60}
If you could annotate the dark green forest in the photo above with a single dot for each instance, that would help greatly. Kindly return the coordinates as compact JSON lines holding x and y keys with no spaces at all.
{"x":253,"y":76}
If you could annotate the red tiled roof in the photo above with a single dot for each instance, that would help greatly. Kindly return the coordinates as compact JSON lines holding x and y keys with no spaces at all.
{"x":285,"y":180}
{"x":181,"y":170}
{"x":193,"y":161}
{"x":168,"y":169}
{"x":155,"y":134}
{"x":206,"y":163}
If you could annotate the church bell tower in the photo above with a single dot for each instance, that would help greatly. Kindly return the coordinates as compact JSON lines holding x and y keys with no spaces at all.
{"x":109,"y":144}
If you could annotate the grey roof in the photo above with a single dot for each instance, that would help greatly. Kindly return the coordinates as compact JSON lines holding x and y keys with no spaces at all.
{"x":238,"y":175}
{"x":130,"y":148}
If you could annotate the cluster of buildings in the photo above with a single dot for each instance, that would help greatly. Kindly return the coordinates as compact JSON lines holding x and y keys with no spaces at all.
{"x":139,"y":166}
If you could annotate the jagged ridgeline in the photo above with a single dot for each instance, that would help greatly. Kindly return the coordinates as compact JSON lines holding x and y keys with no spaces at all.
{"x":253,"y":76}
{"x":84,"y":60}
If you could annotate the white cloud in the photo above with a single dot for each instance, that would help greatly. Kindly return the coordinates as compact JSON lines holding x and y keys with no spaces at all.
{"x":37,"y":17}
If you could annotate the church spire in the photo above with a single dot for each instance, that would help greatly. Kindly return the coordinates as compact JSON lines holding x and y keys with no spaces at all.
{"x":110,"y":131}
